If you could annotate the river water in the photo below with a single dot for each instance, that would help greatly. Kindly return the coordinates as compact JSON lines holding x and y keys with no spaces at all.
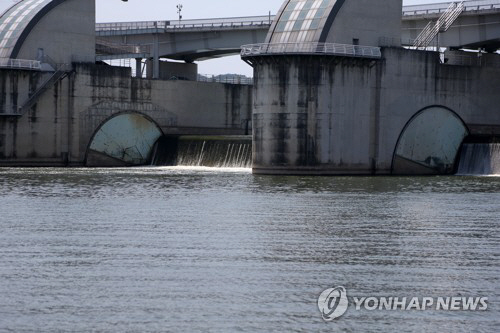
{"x":221,"y":250}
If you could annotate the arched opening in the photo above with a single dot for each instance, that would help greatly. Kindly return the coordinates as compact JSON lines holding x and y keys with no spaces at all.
{"x":126,"y":139}
{"x":429,"y":143}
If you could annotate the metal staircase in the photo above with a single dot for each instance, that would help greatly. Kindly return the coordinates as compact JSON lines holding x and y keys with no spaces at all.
{"x":57,"y":76}
{"x":441,"y":25}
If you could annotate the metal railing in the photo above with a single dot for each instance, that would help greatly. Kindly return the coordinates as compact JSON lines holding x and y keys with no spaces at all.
{"x":439,"y":8}
{"x":123,"y":26}
{"x":225,"y":79}
{"x":432,"y":29}
{"x":311,"y":48}
{"x":216,"y":23}
{"x":231,"y":22}
{"x":57,"y":76}
{"x":20,"y":64}
{"x":451,"y":15}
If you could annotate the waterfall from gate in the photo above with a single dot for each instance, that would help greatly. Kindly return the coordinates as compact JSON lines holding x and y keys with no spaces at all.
{"x":221,"y":152}
{"x":480,"y":159}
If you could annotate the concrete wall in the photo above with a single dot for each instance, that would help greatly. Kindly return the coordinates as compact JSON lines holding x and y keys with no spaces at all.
{"x":42,"y":134}
{"x":66,"y":33}
{"x":174,"y":70}
{"x":413,"y":80}
{"x":59,"y":128}
{"x":366,"y":21}
{"x":339,"y":115}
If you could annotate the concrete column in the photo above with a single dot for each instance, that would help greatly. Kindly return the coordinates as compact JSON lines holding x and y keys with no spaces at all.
{"x":156,"y":58}
{"x":149,"y":68}
{"x":138,"y":67}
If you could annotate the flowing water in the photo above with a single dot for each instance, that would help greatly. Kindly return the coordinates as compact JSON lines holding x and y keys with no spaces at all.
{"x":480,"y":159}
{"x":181,"y":249}
{"x":219,"y":152}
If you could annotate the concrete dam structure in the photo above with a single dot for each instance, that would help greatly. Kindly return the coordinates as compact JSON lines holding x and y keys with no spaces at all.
{"x":330,"y":99}
{"x":59,"y":107}
{"x":334,"y":92}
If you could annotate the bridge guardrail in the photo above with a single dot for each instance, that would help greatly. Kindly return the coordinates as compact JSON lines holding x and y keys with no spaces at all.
{"x":139,"y":25}
{"x":440,"y":8}
{"x":231,"y":22}
{"x":311,"y":48}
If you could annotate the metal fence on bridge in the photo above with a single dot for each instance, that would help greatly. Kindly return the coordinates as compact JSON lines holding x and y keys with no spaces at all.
{"x":311,"y":48}
{"x":216,"y":23}
{"x":438,"y":8}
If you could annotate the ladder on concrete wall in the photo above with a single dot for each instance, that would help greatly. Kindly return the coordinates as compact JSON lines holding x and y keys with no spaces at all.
{"x":441,"y":25}
{"x":53,"y":79}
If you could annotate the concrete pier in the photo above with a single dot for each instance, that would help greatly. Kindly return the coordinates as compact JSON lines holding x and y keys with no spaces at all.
{"x":318,"y":114}
{"x":336,"y":93}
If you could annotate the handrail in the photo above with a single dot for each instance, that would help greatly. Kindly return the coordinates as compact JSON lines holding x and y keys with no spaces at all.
{"x":20,"y":64}
{"x":58,"y":75}
{"x":311,"y":48}
{"x":452,"y":15}
{"x":432,"y":29}
{"x":439,"y":8}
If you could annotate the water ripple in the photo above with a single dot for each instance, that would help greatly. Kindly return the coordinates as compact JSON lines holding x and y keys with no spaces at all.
{"x":203,"y":249}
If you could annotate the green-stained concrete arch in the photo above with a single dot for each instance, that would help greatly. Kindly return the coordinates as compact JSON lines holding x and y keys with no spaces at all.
{"x":430,"y":142}
{"x":124,"y":139}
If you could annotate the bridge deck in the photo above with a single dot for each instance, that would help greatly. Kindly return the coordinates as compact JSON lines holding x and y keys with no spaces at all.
{"x":206,"y":38}
{"x":214,"y":24}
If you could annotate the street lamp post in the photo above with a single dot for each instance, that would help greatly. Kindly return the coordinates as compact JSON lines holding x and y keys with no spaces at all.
{"x":179,"y":10}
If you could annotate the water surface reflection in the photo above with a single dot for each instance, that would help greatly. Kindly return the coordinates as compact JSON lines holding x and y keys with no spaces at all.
{"x":171,"y":249}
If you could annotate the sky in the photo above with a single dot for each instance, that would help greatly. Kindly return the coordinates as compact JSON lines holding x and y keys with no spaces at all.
{"x":149,"y":10}
{"x":145,"y":10}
